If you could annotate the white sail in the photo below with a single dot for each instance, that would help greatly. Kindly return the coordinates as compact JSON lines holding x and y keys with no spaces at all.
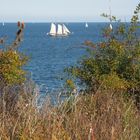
{"x":110,"y":26}
{"x":66,"y":30}
{"x":86,"y":25}
{"x":59,"y":30}
{"x":53,"y":29}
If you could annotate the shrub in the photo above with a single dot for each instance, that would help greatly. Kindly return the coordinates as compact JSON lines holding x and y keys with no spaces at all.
{"x":12,"y":61}
{"x":113,"y":63}
{"x":12,"y":75}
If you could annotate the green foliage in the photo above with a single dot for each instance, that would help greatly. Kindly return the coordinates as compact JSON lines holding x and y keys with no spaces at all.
{"x":70,"y":84}
{"x":113,"y":63}
{"x":11,"y":61}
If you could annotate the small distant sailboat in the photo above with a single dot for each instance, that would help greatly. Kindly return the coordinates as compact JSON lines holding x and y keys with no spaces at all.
{"x":59,"y":30}
{"x":86,"y":25}
{"x":110,"y":26}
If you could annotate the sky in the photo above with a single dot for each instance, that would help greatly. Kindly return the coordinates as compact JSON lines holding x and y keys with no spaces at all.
{"x":64,"y":10}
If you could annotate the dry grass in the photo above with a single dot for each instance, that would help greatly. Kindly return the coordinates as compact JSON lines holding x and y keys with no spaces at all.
{"x":104,"y":116}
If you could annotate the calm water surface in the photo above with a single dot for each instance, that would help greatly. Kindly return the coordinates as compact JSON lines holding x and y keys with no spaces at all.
{"x":48,"y":55}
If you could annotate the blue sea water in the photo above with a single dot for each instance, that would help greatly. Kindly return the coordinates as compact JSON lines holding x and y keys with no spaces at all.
{"x":50,"y":55}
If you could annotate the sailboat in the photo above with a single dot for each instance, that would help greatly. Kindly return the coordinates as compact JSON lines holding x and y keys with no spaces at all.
{"x":110,"y":26}
{"x":86,"y":25}
{"x":59,"y":30}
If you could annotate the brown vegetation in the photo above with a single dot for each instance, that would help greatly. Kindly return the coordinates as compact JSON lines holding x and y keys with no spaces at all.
{"x":104,"y":116}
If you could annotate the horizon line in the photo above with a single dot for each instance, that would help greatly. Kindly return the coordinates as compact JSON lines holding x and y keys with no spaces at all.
{"x":61,"y":21}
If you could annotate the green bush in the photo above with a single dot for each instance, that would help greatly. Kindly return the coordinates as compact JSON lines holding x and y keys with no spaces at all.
{"x":12,"y":61}
{"x":113,"y":63}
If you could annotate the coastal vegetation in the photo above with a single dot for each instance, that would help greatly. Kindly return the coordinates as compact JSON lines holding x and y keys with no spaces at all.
{"x":106,"y":109}
{"x":112,"y":64}
{"x":12,"y":61}
{"x":106,"y":115}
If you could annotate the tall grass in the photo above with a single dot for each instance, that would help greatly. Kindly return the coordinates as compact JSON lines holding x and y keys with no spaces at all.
{"x":103,"y":116}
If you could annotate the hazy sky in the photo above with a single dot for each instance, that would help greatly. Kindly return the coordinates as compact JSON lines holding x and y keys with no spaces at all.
{"x":64,"y":10}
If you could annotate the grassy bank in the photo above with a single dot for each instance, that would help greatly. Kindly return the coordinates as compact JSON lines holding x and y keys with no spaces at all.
{"x":105,"y":116}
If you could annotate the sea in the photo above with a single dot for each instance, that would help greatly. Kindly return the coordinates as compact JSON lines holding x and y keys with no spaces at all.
{"x":49,"y":56}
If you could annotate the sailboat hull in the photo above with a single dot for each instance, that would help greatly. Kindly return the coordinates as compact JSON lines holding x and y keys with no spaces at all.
{"x":57,"y":35}
{"x":51,"y":34}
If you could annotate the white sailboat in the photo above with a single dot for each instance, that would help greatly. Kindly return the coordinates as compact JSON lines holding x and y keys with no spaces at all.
{"x":110,"y":26}
{"x":59,"y":30}
{"x":86,"y":25}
